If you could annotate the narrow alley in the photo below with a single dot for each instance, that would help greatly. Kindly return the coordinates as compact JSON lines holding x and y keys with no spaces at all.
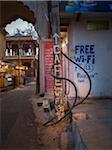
{"x":56,"y":75}
{"x":18,"y":130}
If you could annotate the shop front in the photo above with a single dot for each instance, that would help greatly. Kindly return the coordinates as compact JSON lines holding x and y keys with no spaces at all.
{"x":90,"y":45}
{"x":11,"y":75}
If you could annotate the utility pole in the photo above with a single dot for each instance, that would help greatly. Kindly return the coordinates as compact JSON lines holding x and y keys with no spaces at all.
{"x":58,"y":87}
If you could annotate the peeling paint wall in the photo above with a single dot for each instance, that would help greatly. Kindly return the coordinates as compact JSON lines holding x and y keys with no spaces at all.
{"x":40,"y":10}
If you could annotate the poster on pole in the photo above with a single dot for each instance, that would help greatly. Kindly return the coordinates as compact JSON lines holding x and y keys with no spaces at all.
{"x":48,"y":63}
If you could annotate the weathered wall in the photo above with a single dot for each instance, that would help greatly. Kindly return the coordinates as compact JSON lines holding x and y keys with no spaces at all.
{"x":2,"y":45}
{"x":93,"y":50}
{"x":40,"y":10}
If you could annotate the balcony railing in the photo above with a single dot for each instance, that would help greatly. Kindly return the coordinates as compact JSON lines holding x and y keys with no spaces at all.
{"x":20,"y":53}
{"x":20,"y":57}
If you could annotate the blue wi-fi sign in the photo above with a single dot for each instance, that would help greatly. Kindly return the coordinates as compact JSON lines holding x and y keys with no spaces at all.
{"x":80,"y":6}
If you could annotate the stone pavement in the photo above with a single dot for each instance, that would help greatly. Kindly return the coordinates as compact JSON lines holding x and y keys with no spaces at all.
{"x":47,"y":136}
{"x":93,"y":127}
{"x":92,"y":122}
{"x":96,"y":128}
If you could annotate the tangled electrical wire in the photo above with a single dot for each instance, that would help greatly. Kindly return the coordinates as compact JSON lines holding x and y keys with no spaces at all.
{"x":75,"y":100}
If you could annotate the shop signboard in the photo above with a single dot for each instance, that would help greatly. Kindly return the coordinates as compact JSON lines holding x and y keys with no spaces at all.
{"x":48,"y":63}
{"x":81,"y":6}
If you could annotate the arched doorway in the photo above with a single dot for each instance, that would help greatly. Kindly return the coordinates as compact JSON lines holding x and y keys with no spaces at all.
{"x":22,"y":11}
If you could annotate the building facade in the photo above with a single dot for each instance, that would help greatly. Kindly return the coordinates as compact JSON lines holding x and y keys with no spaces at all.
{"x":88,"y":26}
{"x":89,"y":34}
{"x":22,"y":51}
{"x":90,"y":45}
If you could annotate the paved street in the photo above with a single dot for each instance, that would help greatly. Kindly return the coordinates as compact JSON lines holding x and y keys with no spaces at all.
{"x":18,"y":130}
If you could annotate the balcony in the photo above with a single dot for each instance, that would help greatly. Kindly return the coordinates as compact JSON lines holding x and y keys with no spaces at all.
{"x":21,"y":54}
{"x":20,"y":57}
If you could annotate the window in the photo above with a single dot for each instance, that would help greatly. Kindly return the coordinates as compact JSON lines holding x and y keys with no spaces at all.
{"x":98,"y":25}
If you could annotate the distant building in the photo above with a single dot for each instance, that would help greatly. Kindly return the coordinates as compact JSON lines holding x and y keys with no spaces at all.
{"x":22,"y":50}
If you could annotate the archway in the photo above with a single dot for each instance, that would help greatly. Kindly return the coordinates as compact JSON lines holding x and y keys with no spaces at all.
{"x":16,"y":10}
{"x":21,"y":48}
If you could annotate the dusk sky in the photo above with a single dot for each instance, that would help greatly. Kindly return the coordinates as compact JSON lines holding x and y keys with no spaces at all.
{"x":21,"y":25}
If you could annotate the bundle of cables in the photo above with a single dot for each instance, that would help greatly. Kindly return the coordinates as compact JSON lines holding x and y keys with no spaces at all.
{"x":75,"y":103}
